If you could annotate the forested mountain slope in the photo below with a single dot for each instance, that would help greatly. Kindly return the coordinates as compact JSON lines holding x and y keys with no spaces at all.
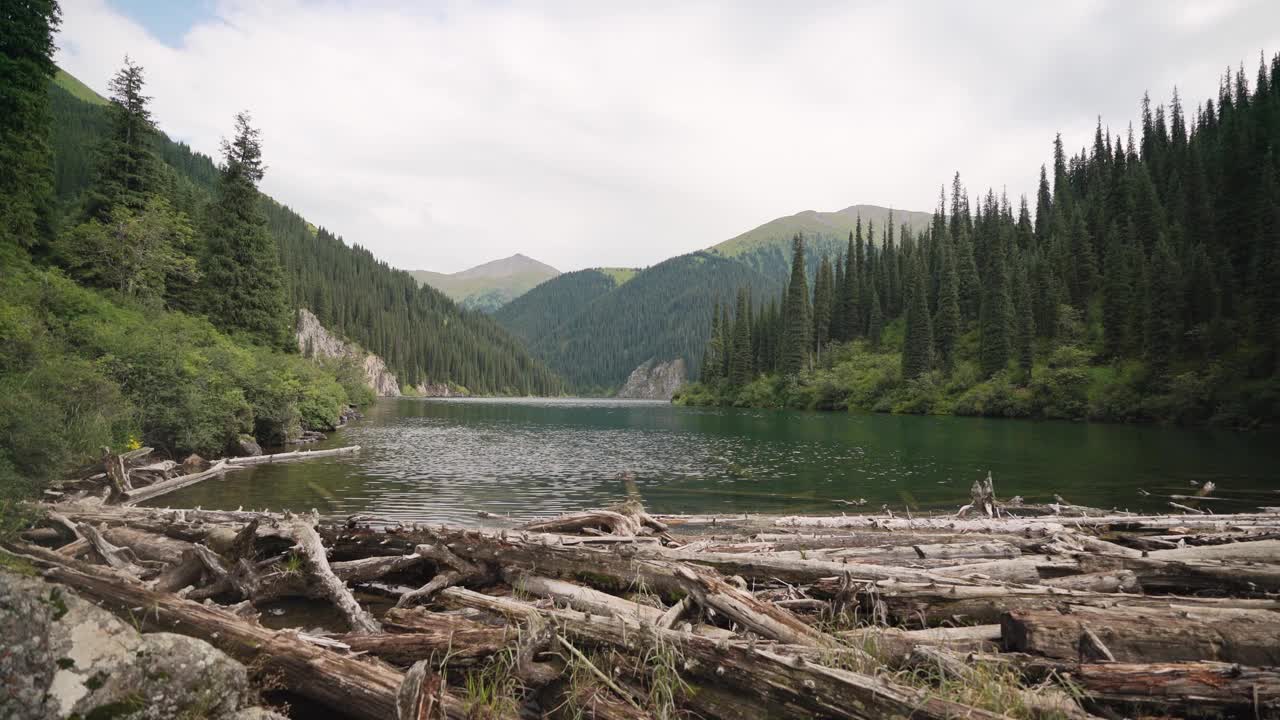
{"x":423,"y":335}
{"x":767,"y":248}
{"x":595,"y":333}
{"x":491,"y":285}
{"x":1145,"y":287}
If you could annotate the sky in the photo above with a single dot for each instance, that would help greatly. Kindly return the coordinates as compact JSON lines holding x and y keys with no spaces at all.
{"x":446,"y":134}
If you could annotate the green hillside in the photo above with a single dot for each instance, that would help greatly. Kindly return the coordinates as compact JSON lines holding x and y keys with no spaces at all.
{"x":423,"y":335}
{"x":489,"y":286}
{"x":767,"y":248}
{"x":594,"y":330}
{"x":78,"y":90}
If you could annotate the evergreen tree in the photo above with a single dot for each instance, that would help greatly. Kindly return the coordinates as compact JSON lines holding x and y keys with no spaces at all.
{"x":740,"y":371}
{"x":243,"y":286}
{"x":1116,"y":297}
{"x":822,"y":302}
{"x":917,"y":344}
{"x":711,"y":358}
{"x":875,"y":318}
{"x":1163,"y":306}
{"x":995,"y":329}
{"x":797,"y":335}
{"x":1026,"y":330}
{"x":946,"y":324}
{"x":127,"y":166}
{"x":26,"y":66}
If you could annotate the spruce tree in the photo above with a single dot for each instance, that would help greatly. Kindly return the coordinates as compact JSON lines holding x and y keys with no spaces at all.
{"x":946,"y":325}
{"x":740,"y":364}
{"x":1117,"y":297}
{"x":797,"y":335}
{"x":128,"y":170}
{"x":1164,"y":306}
{"x":709,"y":372}
{"x":875,"y":318}
{"x":822,"y":311}
{"x":917,"y":344}
{"x":26,"y":66}
{"x":995,"y":329}
{"x":1025,"y":337}
{"x":243,"y":287}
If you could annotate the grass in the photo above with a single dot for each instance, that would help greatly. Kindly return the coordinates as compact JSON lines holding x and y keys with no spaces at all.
{"x":493,"y":690}
{"x":71,"y":84}
{"x":620,"y":275}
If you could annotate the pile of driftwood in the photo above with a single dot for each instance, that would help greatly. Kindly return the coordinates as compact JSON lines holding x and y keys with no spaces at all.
{"x":1049,"y":611}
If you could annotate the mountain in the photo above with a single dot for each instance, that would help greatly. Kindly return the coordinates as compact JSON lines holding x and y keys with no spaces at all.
{"x":767,"y":248}
{"x":424,"y":337}
{"x":489,"y":286}
{"x":594,"y":327}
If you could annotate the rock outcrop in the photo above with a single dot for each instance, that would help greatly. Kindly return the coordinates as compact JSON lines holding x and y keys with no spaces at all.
{"x":655,"y":380}
{"x":314,"y":340}
{"x":438,"y":390}
{"x":65,"y":657}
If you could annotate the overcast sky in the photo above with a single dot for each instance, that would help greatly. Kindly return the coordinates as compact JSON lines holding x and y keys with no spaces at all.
{"x":443,"y":135}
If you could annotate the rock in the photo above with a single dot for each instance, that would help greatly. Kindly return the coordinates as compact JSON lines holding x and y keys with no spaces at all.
{"x":246,"y":446}
{"x":65,"y":657}
{"x":437,"y":390}
{"x":315,"y":341}
{"x":654,"y":380}
{"x":194,"y":462}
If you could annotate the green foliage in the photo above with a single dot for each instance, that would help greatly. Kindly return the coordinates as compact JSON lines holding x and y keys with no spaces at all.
{"x":26,"y":67}
{"x":917,"y":349}
{"x":243,"y":288}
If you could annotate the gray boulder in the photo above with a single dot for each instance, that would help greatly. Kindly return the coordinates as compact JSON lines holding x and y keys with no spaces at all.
{"x":67,"y":657}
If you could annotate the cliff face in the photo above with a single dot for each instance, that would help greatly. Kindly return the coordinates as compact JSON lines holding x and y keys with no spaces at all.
{"x":316,"y":341}
{"x":654,"y":380}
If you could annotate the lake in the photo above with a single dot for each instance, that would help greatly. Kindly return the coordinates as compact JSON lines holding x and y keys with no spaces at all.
{"x":445,"y":460}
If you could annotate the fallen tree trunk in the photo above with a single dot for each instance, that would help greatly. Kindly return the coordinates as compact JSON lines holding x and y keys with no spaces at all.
{"x":788,"y":687}
{"x":1191,"y":575}
{"x":362,"y":689}
{"x":164,"y":487}
{"x":291,"y":456}
{"x":1248,"y":637}
{"x":312,"y":552}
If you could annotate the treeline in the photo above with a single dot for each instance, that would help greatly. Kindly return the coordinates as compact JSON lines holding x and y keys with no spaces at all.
{"x":423,"y":335}
{"x":595,"y":339}
{"x":1145,"y":286}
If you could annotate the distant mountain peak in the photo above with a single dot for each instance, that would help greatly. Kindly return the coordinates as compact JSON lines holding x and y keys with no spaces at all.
{"x":490,"y":285}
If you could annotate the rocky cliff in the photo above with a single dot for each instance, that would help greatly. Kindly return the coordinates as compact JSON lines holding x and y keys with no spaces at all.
{"x":314,"y":340}
{"x":655,"y":380}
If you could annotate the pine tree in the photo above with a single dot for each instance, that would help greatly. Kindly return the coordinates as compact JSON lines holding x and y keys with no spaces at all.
{"x":822,"y":301}
{"x":243,"y":285}
{"x":740,"y":364}
{"x":836,"y":331}
{"x":711,"y":358}
{"x":946,"y":324}
{"x":1026,"y":331}
{"x":917,"y":344}
{"x":995,"y":329}
{"x":128,"y":171}
{"x":26,"y":66}
{"x":1117,"y":297}
{"x":1163,"y":306}
{"x":797,"y":335}
{"x":875,"y":318}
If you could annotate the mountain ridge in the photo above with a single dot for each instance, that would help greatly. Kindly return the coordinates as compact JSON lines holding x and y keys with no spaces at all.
{"x":488,"y":286}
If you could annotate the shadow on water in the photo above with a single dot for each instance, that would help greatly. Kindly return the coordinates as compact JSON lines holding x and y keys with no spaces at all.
{"x":444,"y":460}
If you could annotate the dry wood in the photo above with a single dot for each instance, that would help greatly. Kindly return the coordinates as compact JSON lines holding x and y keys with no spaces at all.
{"x":1116,"y":581}
{"x":1190,"y":575}
{"x":312,"y":551}
{"x":362,"y":689}
{"x":1249,"y":637}
{"x":291,"y":456}
{"x":164,"y":487}
{"x":784,"y":686}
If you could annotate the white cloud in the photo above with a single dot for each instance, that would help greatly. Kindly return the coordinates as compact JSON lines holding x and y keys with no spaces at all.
{"x":584,"y":135}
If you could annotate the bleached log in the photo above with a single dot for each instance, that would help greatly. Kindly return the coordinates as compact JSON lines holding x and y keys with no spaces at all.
{"x":1249,"y":637}
{"x":291,"y":456}
{"x":165,"y":487}
{"x":312,"y":551}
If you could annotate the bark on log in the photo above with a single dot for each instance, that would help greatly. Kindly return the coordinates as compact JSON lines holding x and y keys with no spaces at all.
{"x":787,"y":687}
{"x":1208,"y":688}
{"x":291,"y":456}
{"x":313,"y":554}
{"x":362,"y":689}
{"x":1117,"y":581}
{"x":165,"y":487}
{"x":1249,"y":637}
{"x":1191,"y":575}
